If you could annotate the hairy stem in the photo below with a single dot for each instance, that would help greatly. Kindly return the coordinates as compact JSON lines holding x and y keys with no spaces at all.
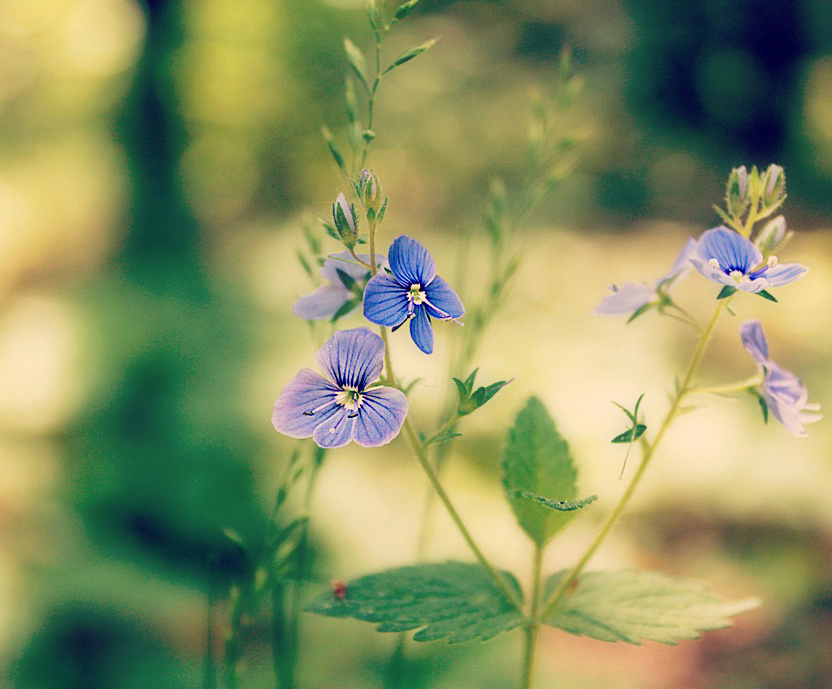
{"x":682,"y":392}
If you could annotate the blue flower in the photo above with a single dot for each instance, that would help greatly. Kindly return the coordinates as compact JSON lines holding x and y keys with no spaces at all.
{"x":342,"y":407}
{"x":785,"y":395}
{"x":412,"y":292}
{"x":631,"y":297}
{"x":728,"y":258}
{"x":346,"y":283}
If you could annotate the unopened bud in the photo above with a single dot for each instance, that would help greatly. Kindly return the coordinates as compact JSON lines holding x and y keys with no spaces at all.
{"x":369,"y":189}
{"x":775,"y":185}
{"x":344,"y":216}
{"x":773,"y":235}
{"x":736,"y":195}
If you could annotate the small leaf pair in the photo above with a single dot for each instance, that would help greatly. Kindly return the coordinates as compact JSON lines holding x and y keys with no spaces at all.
{"x":469,"y":399}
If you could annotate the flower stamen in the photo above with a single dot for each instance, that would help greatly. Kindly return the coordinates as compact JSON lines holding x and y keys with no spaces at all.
{"x":349,"y":398}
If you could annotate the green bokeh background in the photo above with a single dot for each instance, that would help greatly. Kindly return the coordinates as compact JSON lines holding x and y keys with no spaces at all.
{"x":158,"y":160}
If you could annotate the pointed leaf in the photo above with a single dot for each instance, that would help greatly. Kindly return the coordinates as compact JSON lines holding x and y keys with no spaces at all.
{"x":765,"y":294}
{"x":633,"y":606}
{"x":409,"y":54}
{"x":442,"y":437}
{"x":537,"y":461}
{"x":346,"y":280}
{"x":640,"y":311}
{"x":333,"y":148}
{"x":356,"y":60}
{"x":454,"y":601}
{"x":726,"y":291}
{"x":344,"y":309}
{"x":630,"y":436}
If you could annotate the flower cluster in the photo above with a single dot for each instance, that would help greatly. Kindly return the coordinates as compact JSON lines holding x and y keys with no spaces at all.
{"x":728,"y":257}
{"x":347,"y":404}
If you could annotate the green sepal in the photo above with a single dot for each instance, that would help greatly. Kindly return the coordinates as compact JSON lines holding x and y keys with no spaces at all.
{"x":346,"y":279}
{"x":633,"y":607}
{"x":331,"y":231}
{"x":630,"y":436}
{"x":381,"y":210}
{"x":368,"y":135}
{"x":447,"y":435}
{"x":726,"y":292}
{"x":560,"y":505}
{"x":344,"y":309}
{"x":356,"y":60}
{"x":454,"y":601}
{"x":403,"y":10}
{"x":765,"y":294}
{"x":537,"y":461}
{"x":761,"y":401}
{"x":641,"y":310}
{"x":409,"y":54}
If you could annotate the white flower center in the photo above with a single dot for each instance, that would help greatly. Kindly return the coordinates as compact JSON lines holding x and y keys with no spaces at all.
{"x":417,"y":294}
{"x":714,"y":263}
{"x":772,"y":261}
{"x":349,"y":398}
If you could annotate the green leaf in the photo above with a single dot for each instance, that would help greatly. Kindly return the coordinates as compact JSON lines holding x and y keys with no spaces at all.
{"x":454,"y":601}
{"x":726,"y":291}
{"x":765,"y":294}
{"x":633,"y":606}
{"x":561,"y":505}
{"x":345,"y":278}
{"x":409,"y":54}
{"x":537,"y":461}
{"x":442,"y":437}
{"x":333,"y":148}
{"x":344,"y":309}
{"x":403,"y":10}
{"x":629,"y":436}
{"x":356,"y":60}
{"x":640,"y":311}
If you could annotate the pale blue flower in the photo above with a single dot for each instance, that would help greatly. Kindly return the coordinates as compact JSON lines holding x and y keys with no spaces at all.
{"x":343,"y":406}
{"x":786,"y":397}
{"x":413,"y":291}
{"x":346,"y":280}
{"x":631,"y":297}
{"x":730,"y":259}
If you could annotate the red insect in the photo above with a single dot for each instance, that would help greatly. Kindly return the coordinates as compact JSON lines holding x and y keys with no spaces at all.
{"x":339,"y":589}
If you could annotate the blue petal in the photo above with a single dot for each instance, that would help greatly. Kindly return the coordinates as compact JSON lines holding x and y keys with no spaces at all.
{"x":385,"y":301}
{"x":757,"y":284}
{"x":380,"y":416}
{"x":306,"y":392}
{"x":754,"y":341}
{"x":344,"y":261}
{"x":336,"y":431}
{"x":322,"y":303}
{"x":352,"y":358}
{"x":731,"y":250}
{"x":787,"y":399}
{"x":421,"y":330}
{"x":443,"y":299}
{"x":784,"y":273}
{"x":708,"y":271}
{"x":625,"y":300}
{"x":410,"y":262}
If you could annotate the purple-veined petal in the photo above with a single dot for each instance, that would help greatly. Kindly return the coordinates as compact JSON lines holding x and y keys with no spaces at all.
{"x":344,"y":261}
{"x":715,"y":274}
{"x":380,"y":416}
{"x":731,"y":250}
{"x":322,"y":303}
{"x":625,"y":300}
{"x":306,"y":392}
{"x":385,"y":301}
{"x":336,"y":431}
{"x":421,"y":330}
{"x":410,"y":262}
{"x":754,"y":341}
{"x":757,"y":284}
{"x":352,"y":358}
{"x":443,"y":299}
{"x":784,"y":273}
{"x":682,"y":263}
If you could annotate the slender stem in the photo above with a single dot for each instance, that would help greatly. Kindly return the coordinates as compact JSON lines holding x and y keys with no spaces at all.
{"x":649,"y":453}
{"x":373,"y":267}
{"x":749,"y":382}
{"x":532,"y":630}
{"x":370,"y":266}
{"x":372,"y":99}
{"x":447,"y":426}
{"x":419,"y":451}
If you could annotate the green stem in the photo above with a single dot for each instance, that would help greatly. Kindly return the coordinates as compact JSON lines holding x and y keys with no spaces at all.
{"x":532,"y":630}
{"x":447,"y":426}
{"x":749,"y":382}
{"x":649,"y":453}
{"x":371,"y":101}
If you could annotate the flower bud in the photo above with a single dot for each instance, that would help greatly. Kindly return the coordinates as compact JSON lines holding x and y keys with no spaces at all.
{"x":774,"y":183}
{"x":344,"y":216}
{"x":736,"y":195}
{"x":369,"y":189}
{"x":773,"y":235}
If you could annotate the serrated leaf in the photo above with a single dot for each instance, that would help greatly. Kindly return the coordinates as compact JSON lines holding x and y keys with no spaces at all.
{"x":537,"y":461}
{"x":356,"y":60}
{"x":726,"y":292}
{"x":629,"y":436}
{"x":765,"y":294}
{"x":409,"y":54}
{"x":454,"y":601}
{"x":634,"y":606}
{"x":561,"y":505}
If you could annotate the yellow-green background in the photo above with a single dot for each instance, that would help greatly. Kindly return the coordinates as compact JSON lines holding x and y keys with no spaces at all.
{"x":156,"y":161}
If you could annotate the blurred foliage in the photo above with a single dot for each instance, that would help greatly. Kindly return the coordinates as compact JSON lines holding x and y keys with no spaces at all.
{"x":155,"y":159}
